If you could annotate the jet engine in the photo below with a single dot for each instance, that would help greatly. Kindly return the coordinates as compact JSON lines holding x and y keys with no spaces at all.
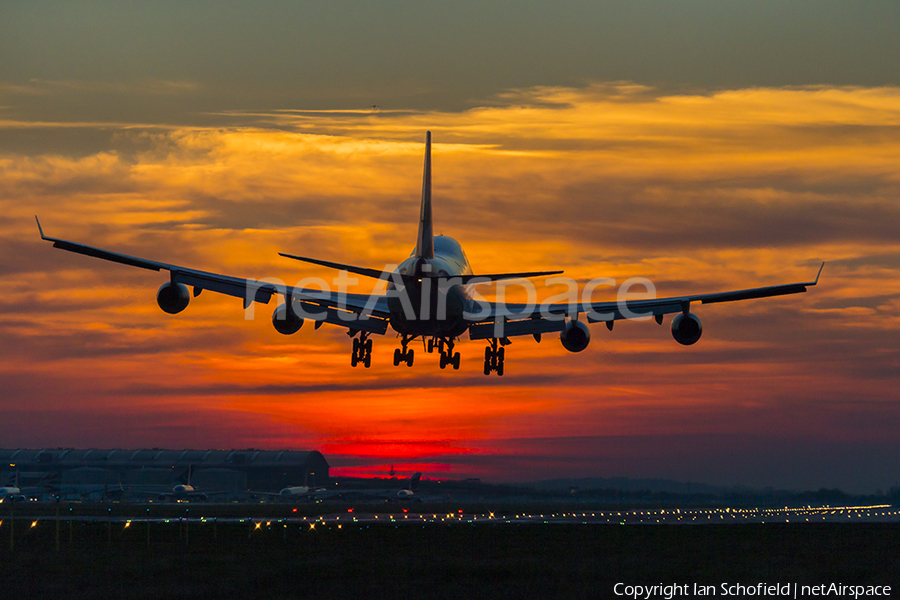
{"x":286,"y":322}
{"x":173,"y":297}
{"x":686,"y":329}
{"x":575,"y":337}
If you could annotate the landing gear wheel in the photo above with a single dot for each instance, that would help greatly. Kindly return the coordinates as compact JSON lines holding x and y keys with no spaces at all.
{"x":494,"y":356}
{"x":443,"y":361}
{"x":404,"y":353}
{"x":430,"y":346}
{"x":362,"y":351}
{"x":455,"y":362}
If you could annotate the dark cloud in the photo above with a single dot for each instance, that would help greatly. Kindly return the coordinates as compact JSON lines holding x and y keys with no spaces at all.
{"x":166,"y":428}
{"x":660,"y":216}
{"x":278,"y":54}
{"x":364,"y":383}
{"x":744,"y":460}
{"x":30,"y":339}
{"x":882,"y":261}
{"x":859,"y":302}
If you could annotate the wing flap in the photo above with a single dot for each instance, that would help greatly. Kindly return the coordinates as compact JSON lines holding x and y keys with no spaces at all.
{"x":485,"y":331}
{"x":343,"y":318}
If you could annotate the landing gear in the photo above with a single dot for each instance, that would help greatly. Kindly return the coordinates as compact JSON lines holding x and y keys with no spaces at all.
{"x":448,"y":357}
{"x":493,"y":358}
{"x":406,"y":354}
{"x":362,"y":350}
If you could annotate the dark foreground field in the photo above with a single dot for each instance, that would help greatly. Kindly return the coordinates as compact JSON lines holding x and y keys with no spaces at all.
{"x":460,"y":561}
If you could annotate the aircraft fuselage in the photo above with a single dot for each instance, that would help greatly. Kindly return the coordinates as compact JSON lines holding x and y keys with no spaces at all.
{"x":422,"y":305}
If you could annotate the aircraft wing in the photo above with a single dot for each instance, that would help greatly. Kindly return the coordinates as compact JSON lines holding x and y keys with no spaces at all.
{"x":522,"y":319}
{"x":354,"y":311}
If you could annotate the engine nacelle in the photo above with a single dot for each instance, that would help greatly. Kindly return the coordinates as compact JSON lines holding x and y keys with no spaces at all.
{"x":173,"y":297}
{"x":286,"y":322}
{"x":575,"y":337}
{"x":686,"y":329}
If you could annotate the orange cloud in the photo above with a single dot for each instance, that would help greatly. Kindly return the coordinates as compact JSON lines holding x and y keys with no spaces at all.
{"x":698,"y":192}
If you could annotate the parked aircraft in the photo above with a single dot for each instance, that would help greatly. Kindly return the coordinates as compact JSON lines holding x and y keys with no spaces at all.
{"x":12,"y":492}
{"x":293,"y":492}
{"x":182,"y":491}
{"x":391,"y":494}
{"x":431,"y":296}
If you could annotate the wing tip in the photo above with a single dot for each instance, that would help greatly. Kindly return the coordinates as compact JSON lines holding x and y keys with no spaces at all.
{"x":819,"y":273}
{"x":40,"y":229}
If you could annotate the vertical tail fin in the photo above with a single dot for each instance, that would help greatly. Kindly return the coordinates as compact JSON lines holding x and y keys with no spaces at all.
{"x":425,"y":241}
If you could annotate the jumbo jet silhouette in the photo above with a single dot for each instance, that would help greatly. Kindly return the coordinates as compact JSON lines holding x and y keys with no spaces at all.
{"x":431,"y":296}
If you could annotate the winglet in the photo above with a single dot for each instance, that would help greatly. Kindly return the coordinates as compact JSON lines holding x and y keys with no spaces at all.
{"x":43,"y":237}
{"x":819,"y":273}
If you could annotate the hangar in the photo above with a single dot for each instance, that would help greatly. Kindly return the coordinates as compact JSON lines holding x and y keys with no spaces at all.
{"x":94,"y":472}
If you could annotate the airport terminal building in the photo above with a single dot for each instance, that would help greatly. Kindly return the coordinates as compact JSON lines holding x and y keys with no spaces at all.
{"x":92,"y":472}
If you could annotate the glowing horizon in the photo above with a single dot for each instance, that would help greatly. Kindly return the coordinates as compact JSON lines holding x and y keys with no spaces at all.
{"x":699,"y":192}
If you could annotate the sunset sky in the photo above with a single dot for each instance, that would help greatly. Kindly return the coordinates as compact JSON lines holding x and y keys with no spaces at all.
{"x":705,"y":145}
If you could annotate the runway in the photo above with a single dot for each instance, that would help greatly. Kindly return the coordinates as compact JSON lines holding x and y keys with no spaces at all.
{"x":121,"y":550}
{"x":267,"y":514}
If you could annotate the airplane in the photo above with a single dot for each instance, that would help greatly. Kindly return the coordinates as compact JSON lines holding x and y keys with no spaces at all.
{"x":292,"y":492}
{"x":406,"y":493}
{"x":13,"y":493}
{"x":430,"y":295}
{"x":182,"y":491}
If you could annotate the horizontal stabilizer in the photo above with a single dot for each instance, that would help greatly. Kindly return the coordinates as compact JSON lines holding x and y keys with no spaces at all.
{"x":376,"y":274}
{"x":342,"y":267}
{"x":498,"y":276}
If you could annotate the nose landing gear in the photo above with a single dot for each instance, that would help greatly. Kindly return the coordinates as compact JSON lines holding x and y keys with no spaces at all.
{"x":494,"y":356}
{"x":362,"y":350}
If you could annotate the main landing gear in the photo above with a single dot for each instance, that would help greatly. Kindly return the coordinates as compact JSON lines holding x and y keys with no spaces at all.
{"x":362,"y":350}
{"x":493,"y":358}
{"x":445,"y":347}
{"x":406,"y":355}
